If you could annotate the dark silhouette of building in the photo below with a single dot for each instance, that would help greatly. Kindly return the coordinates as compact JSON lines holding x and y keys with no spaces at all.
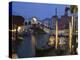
{"x":14,"y":22}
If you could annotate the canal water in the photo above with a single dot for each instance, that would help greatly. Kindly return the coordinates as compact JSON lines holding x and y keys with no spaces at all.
{"x":27,"y":46}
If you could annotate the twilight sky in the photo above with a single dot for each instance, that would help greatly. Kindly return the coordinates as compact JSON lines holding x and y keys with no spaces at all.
{"x":39,"y":10}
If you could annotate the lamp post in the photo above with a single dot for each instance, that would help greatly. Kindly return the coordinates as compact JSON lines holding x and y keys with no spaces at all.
{"x":56,"y":34}
{"x":74,"y":10}
{"x":70,"y":34}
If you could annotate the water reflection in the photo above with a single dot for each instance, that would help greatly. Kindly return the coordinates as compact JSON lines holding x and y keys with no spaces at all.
{"x":25,"y":48}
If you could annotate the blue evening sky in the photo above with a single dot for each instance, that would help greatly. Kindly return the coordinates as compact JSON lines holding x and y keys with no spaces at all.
{"x":39,"y":10}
